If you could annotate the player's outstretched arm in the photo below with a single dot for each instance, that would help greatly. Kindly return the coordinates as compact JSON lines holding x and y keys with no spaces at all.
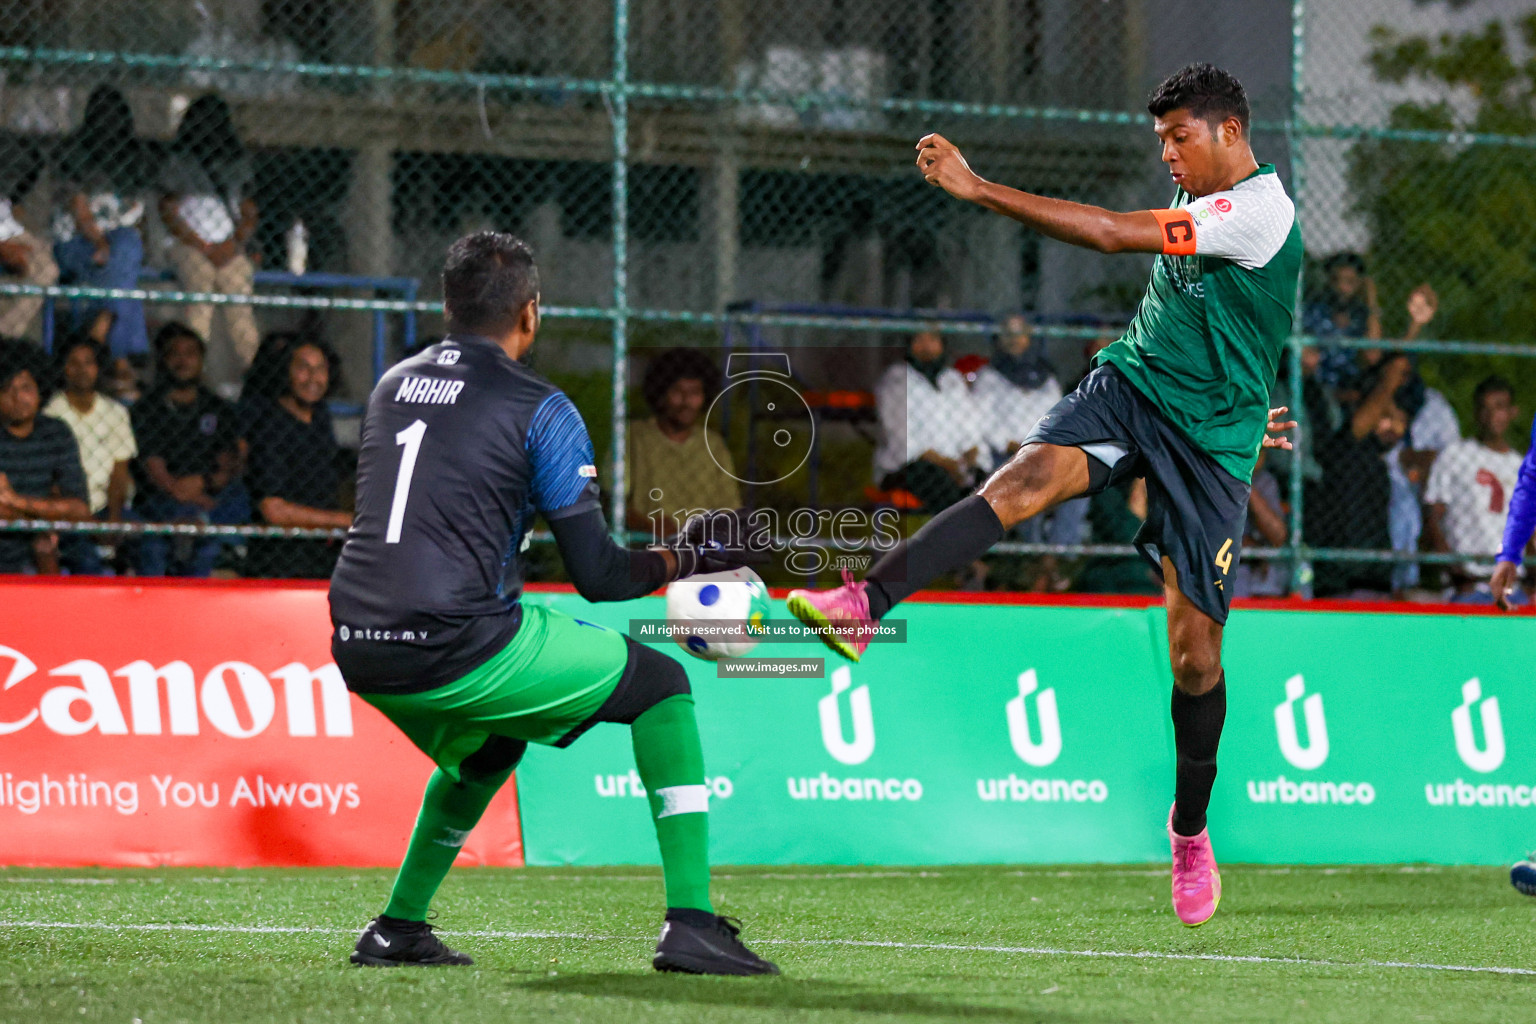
{"x":603,"y":570}
{"x":1091,"y":227}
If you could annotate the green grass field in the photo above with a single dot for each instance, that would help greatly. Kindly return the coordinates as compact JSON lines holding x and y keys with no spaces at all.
{"x":858,"y":944}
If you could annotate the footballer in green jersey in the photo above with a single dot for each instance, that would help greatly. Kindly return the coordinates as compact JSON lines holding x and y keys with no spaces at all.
{"x":1181,"y":400}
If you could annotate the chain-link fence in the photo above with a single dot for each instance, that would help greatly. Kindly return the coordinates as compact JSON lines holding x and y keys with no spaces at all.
{"x":229,"y":217}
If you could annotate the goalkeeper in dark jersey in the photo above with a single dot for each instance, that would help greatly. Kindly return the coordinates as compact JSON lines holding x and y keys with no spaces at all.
{"x":462,"y":445}
{"x":1180,"y":400}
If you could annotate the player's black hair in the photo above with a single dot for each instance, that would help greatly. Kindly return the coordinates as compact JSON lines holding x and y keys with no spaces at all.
{"x":1490,"y":386}
{"x":488,"y":278}
{"x":1206,"y":91}
{"x":677,"y":364}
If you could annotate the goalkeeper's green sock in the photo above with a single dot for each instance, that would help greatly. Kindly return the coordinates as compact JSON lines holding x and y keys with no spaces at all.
{"x":448,"y":812}
{"x":670,"y":761}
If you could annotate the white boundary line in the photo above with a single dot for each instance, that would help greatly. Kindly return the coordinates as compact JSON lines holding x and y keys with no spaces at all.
{"x":782,"y":876}
{"x":856,"y":943}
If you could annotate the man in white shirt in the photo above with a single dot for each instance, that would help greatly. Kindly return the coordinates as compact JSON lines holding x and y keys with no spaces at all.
{"x":931,"y":427}
{"x":100,"y":425}
{"x":1470,"y":485}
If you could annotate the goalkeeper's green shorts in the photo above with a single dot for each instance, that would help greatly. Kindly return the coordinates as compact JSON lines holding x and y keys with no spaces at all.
{"x":545,"y":687}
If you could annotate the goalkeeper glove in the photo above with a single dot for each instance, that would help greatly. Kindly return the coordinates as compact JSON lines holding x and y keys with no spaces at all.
{"x":718,"y":541}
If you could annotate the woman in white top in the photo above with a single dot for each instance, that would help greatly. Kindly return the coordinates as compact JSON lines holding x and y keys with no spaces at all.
{"x":96,"y":241}
{"x":931,"y":428}
{"x":208,"y":210}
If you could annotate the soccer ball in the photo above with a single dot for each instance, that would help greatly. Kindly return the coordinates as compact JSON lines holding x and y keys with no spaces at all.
{"x":718,"y":615}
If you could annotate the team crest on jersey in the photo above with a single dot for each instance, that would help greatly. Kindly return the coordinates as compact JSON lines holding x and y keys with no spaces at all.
{"x":448,"y":356}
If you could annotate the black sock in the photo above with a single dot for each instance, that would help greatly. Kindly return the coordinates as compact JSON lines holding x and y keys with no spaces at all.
{"x":1197,"y":723}
{"x":955,"y":537}
{"x":693,"y":918}
{"x":401,"y":924}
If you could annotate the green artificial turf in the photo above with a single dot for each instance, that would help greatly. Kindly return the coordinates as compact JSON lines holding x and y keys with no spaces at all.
{"x":569,"y":945}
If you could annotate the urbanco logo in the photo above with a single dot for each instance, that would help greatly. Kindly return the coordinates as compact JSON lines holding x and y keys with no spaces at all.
{"x":863,"y":744}
{"x":1491,"y":754}
{"x":1316,"y":751}
{"x":1044,"y":753}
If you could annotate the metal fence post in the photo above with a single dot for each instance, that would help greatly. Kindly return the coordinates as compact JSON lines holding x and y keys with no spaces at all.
{"x":1295,"y":536}
{"x":620,"y":310}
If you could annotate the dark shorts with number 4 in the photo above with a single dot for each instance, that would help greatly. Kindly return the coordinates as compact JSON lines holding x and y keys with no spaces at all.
{"x":1196,"y":510}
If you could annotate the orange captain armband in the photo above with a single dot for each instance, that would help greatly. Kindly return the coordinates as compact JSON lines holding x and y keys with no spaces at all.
{"x":1178,"y":231}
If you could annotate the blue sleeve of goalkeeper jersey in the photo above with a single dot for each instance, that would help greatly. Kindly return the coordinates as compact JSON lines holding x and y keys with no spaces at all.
{"x":1522,"y":508}
{"x":564,"y":466}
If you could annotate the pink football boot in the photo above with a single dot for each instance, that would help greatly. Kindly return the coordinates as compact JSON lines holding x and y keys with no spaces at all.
{"x":839,"y":616}
{"x":1196,"y":880}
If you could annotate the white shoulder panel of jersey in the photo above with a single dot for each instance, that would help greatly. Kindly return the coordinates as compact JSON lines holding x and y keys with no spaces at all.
{"x":1247,"y":224}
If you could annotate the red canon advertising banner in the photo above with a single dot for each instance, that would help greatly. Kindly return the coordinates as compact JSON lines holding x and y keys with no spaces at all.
{"x":199,"y":723}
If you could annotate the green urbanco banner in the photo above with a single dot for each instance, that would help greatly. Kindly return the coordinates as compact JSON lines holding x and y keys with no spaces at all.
{"x":1013,"y":733}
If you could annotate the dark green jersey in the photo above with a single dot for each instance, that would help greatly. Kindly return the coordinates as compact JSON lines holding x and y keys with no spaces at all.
{"x":1206,"y":341}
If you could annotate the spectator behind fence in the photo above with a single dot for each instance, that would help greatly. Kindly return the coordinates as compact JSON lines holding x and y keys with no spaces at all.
{"x":24,"y":258}
{"x":102,"y":176}
{"x":1346,"y":308}
{"x":264,"y":382}
{"x":1469,"y":489}
{"x":293,"y":474}
{"x":1016,"y":387}
{"x":40,"y":474}
{"x":931,"y":427}
{"x":1349,"y":506}
{"x":676,"y":463}
{"x":100,"y":424}
{"x":207,"y":208}
{"x":1432,"y":428}
{"x":1265,"y":528}
{"x":1116,"y":514}
{"x":188,"y":463}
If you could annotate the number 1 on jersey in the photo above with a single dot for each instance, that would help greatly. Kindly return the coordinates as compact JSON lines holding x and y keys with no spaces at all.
{"x":410,"y":437}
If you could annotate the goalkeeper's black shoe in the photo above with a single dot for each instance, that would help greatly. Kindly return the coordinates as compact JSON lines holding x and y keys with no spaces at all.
{"x":693,"y":946}
{"x":395,"y":943}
